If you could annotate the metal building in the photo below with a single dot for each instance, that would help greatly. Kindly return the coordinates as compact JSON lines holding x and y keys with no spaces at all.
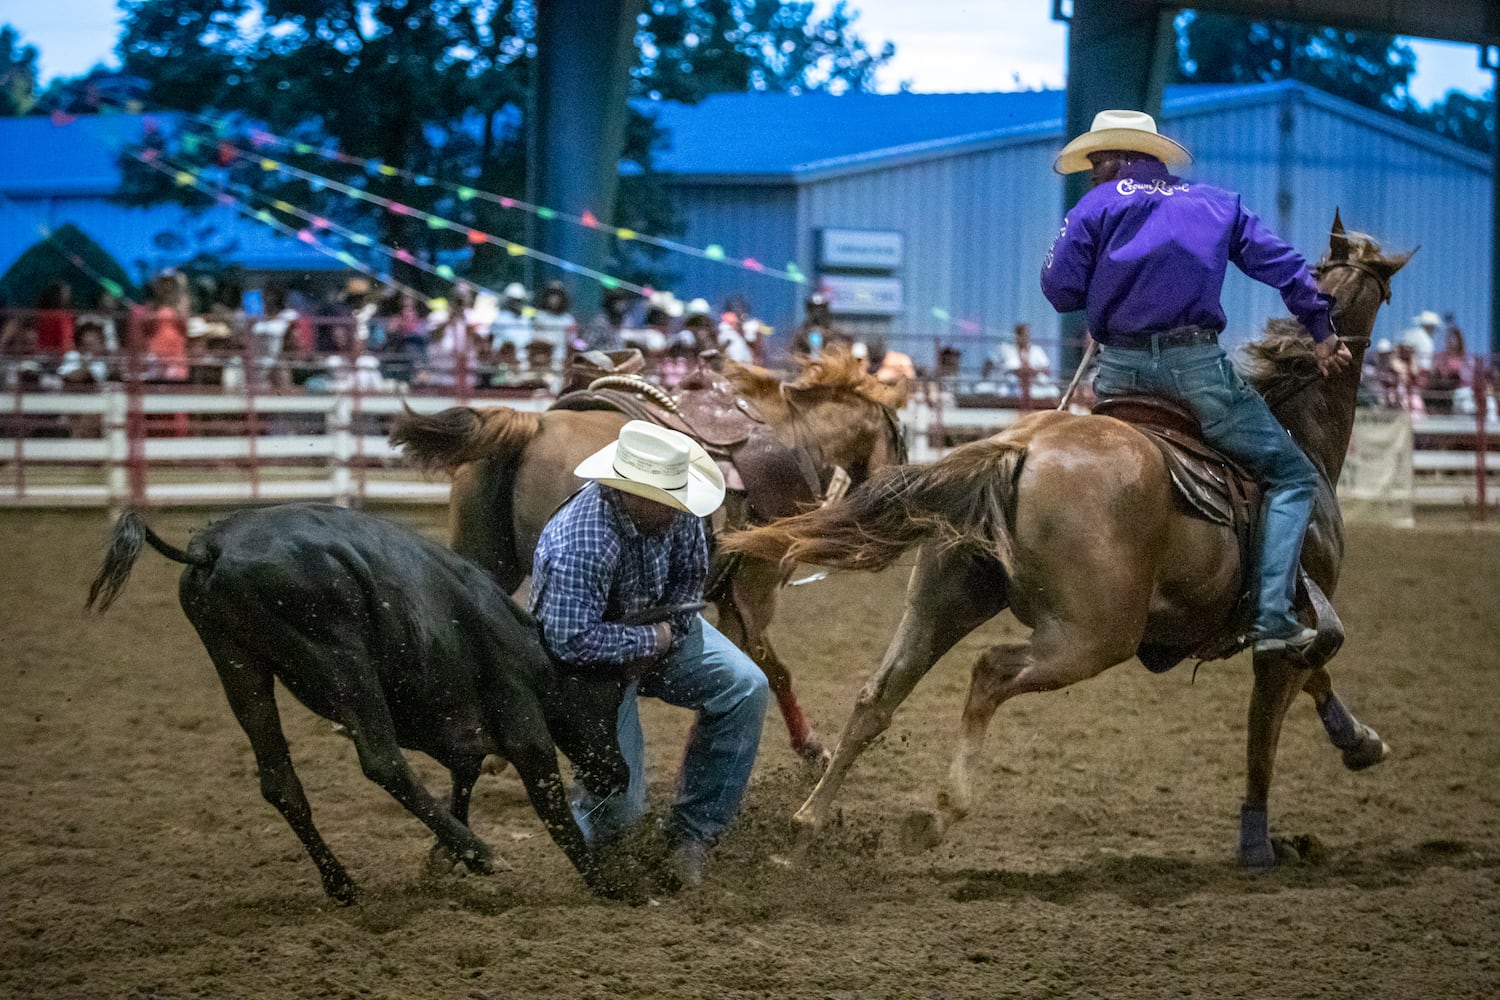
{"x":952,"y":202}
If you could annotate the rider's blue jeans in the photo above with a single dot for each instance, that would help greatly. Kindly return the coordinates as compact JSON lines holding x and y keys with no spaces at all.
{"x":729,"y":693}
{"x":1236,"y":420}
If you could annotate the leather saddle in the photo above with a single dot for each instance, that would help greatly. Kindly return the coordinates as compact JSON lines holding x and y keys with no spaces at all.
{"x":1208,"y":485}
{"x":776,"y":480}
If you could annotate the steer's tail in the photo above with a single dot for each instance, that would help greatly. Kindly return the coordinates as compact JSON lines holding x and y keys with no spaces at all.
{"x":966,"y":498}
{"x":441,"y":442}
{"x":131,"y":532}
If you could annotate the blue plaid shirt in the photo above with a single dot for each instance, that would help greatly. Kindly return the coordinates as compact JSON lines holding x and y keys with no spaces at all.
{"x":593,"y":567}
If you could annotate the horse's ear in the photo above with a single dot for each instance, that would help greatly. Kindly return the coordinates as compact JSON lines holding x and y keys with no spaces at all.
{"x":1396,"y":263}
{"x":1338,"y":244}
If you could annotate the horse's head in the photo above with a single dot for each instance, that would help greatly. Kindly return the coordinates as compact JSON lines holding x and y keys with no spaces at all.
{"x":835,"y":409}
{"x":1358,"y":277}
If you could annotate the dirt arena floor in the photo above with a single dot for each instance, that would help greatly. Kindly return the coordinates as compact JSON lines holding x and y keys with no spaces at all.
{"x":137,"y":858}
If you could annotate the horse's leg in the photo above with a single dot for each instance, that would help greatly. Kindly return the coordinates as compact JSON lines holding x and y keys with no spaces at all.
{"x":251,"y":692}
{"x":1058,"y":655}
{"x":950,"y":594}
{"x":1361,"y":745}
{"x":745,"y":613}
{"x":1278,"y":678}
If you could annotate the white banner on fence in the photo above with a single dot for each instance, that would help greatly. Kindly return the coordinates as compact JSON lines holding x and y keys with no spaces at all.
{"x":1376,"y":485}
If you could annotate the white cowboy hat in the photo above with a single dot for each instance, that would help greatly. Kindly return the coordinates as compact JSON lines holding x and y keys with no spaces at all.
{"x":516,"y":290}
{"x":1132,"y":130}
{"x":1427,"y":318}
{"x":697,"y":307}
{"x":658,"y":464}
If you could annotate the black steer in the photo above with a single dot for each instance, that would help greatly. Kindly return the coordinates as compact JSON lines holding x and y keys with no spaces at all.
{"x":405,"y":644}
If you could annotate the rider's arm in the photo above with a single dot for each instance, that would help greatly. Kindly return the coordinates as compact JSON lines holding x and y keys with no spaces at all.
{"x":1262,"y":255}
{"x":571,"y":600}
{"x":1069,"y":264}
{"x":689,"y":571}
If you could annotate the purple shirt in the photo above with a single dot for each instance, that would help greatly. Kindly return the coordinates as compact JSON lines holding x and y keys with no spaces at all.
{"x":1148,"y":252}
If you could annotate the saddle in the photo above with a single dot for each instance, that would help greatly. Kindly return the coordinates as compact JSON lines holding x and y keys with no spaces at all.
{"x":775,"y":480}
{"x":1208,"y":485}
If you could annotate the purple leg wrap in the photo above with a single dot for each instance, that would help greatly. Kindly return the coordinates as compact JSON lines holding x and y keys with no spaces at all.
{"x":1343,"y":731}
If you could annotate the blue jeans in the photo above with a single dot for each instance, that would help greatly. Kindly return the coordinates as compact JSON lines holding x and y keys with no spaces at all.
{"x":710,"y":675}
{"x":1237,"y":421}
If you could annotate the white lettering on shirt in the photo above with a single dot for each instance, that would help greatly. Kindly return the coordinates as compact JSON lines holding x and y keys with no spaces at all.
{"x":1047,"y":261}
{"x":1126,"y":186}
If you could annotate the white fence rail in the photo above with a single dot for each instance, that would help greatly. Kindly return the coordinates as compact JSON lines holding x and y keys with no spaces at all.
{"x":326,"y":447}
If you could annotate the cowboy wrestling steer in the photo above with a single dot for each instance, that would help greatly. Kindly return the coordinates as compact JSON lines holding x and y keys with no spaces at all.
{"x":402,"y":642}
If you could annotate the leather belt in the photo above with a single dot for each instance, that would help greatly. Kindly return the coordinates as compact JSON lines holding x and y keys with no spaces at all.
{"x":1145,"y":340}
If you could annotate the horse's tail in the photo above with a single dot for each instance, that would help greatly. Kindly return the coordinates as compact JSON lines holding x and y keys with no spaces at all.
{"x":967,"y":498}
{"x":441,"y":442}
{"x":132,"y":532}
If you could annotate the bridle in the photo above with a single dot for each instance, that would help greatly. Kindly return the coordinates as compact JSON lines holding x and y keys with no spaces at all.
{"x":1288,"y":390}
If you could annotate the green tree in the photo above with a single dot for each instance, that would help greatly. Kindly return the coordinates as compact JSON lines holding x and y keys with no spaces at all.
{"x":692,"y":48}
{"x":18,"y":74}
{"x":1370,"y":69}
{"x":437,"y":88}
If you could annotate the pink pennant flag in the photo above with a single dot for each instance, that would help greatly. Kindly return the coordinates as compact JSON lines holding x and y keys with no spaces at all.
{"x":588,"y":219}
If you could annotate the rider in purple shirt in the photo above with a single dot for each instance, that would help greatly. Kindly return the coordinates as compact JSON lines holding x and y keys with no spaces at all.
{"x":1145,"y":254}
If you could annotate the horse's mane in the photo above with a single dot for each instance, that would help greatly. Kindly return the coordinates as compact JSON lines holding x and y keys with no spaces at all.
{"x":1284,"y":351}
{"x":836,"y":371}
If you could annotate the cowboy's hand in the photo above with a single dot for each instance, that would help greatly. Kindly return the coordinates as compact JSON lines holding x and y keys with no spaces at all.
{"x":1332,"y":356}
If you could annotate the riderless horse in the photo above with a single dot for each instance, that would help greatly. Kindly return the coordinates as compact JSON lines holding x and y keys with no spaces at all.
{"x":1074,"y":523}
{"x":781,"y":443}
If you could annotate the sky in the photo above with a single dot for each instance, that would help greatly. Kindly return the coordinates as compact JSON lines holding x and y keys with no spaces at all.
{"x":941,"y":45}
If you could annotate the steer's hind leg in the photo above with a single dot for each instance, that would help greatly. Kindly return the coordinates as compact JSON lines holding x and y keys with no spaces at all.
{"x":252,"y":697}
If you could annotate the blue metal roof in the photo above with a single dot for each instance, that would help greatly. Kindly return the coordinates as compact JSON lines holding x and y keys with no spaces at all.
{"x":66,"y":169}
{"x":763,"y":135}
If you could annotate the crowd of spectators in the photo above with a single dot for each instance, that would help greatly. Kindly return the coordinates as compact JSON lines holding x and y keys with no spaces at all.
{"x":1428,"y":370}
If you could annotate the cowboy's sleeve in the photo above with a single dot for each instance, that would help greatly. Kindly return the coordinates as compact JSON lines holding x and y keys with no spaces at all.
{"x":1069,"y":263}
{"x":571,"y":608}
{"x":1262,"y":255}
{"x":688,"y":573}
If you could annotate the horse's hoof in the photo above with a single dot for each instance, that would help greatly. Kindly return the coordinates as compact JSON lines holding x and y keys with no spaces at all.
{"x":1369,"y":751}
{"x":921,"y":831}
{"x":1259,"y":856}
{"x":816,"y":756}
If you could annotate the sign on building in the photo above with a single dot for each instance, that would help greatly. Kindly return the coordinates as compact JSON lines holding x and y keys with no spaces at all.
{"x":851,"y":295}
{"x":874,"y":249}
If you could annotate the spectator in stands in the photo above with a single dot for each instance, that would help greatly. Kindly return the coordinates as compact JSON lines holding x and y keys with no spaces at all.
{"x":452,"y":354}
{"x":87,"y":365}
{"x":817,"y":329}
{"x":1421,"y":338}
{"x":268,"y":337}
{"x":405,"y":340}
{"x":1025,"y":367}
{"x":106,"y":314}
{"x":552,"y":325}
{"x":733,"y":343}
{"x":698,"y":333}
{"x":513,"y":323}
{"x":888,"y":366}
{"x":603,"y":332}
{"x":18,"y":342}
{"x":166,"y":330}
{"x":54,"y":318}
{"x":1450,"y":384}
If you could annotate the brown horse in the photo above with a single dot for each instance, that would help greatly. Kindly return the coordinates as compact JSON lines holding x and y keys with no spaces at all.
{"x":511,"y":470}
{"x":1070,"y":522}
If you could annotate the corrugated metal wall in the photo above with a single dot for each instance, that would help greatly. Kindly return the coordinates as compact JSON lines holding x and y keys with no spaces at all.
{"x":747,"y":220}
{"x":977,"y":224}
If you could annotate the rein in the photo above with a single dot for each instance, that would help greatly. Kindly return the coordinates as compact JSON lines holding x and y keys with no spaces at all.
{"x":1292,"y":387}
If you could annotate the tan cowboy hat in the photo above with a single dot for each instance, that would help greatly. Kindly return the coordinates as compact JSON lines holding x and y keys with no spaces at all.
{"x":658,"y":464}
{"x":1132,"y":130}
